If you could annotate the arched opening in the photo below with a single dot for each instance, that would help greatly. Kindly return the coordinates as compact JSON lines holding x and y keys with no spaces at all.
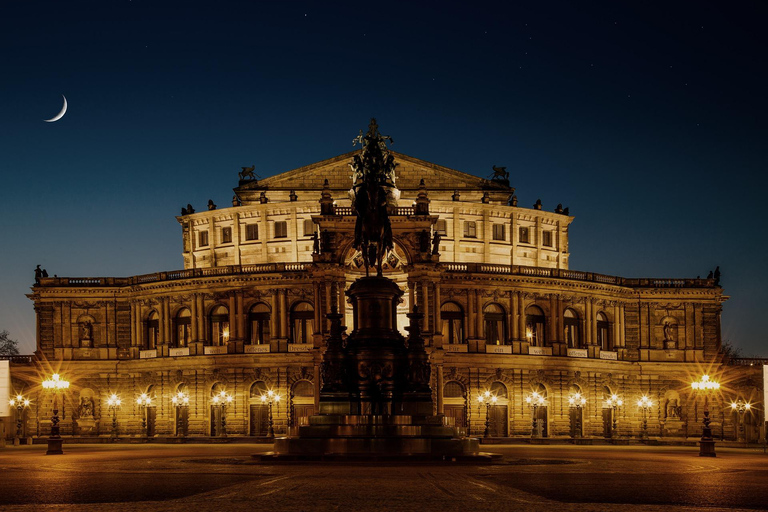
{"x":604,"y":340}
{"x":498,"y":412}
{"x":455,"y":403}
{"x":535,"y":326}
{"x":452,"y":317}
{"x":183,"y":328}
{"x":152,"y":330}
{"x":182,"y":410}
{"x":259,"y":411}
{"x":576,"y":411}
{"x":538,"y":405}
{"x":572,"y":332}
{"x":219,"y":322}
{"x":258,"y":324}
{"x":495,"y":325}
{"x":302,"y":402}
{"x":302,"y":322}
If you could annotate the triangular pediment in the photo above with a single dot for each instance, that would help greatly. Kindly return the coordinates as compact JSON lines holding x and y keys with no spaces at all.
{"x":410,"y":171}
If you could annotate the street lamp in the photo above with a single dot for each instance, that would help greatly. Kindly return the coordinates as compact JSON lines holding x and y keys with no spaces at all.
{"x":181,"y":400}
{"x":20,"y":403}
{"x":269,"y":398}
{"x":645,"y":403}
{"x":488,"y":399}
{"x":577,"y":401}
{"x":534,"y":401}
{"x":55,"y":385}
{"x":741,"y":407}
{"x":113,"y":403}
{"x":706,"y":443}
{"x":223,"y":399}
{"x":144,"y":401}
{"x":614,"y":402}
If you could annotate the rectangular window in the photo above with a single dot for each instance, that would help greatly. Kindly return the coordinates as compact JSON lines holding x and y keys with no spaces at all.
{"x":251,"y":231}
{"x":309,"y":227}
{"x":546,"y":239}
{"x":226,"y":235}
{"x":470,"y":229}
{"x":281,"y":229}
{"x":524,"y":239}
{"x":498,"y":232}
{"x":440,"y":227}
{"x":203,"y":238}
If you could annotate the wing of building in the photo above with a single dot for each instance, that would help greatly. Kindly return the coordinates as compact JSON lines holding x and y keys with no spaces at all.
{"x":503,"y":313}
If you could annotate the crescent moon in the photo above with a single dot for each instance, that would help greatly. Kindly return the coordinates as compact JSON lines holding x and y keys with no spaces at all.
{"x":60,"y":114}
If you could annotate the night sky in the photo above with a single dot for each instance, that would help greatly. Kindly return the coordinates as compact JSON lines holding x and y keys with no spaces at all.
{"x":647,"y":119}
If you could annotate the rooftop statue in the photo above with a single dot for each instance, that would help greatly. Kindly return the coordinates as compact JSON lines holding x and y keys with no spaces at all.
{"x":248,"y":173}
{"x":373,"y":179}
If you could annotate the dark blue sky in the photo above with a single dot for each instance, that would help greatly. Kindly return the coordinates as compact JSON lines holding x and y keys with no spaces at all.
{"x":647,"y":120}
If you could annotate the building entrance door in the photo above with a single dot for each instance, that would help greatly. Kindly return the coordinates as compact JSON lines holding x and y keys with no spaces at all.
{"x":182,"y":419}
{"x":151,"y":414}
{"x":457,"y":413}
{"x":541,"y":421}
{"x":498,"y":416}
{"x":216,"y":420}
{"x":302,"y":412}
{"x":259,"y":420}
{"x":577,"y":426}
{"x":608,"y":422}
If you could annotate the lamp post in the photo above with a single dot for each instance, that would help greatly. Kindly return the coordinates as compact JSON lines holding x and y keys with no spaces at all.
{"x":20,"y":403}
{"x":181,"y":401}
{"x":113,"y":403}
{"x":707,"y":442}
{"x":614,"y":402}
{"x":144,"y":401}
{"x":644,"y":403}
{"x":577,"y":401}
{"x":55,"y":385}
{"x":741,"y":407}
{"x":223,"y":399}
{"x":534,"y":401}
{"x":488,"y":399}
{"x":269,"y":398}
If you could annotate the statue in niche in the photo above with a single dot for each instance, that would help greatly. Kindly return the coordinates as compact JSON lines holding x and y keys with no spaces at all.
{"x":86,"y":407}
{"x":668,"y":334}
{"x":436,"y":243}
{"x":86,"y":330}
{"x":673,"y":410}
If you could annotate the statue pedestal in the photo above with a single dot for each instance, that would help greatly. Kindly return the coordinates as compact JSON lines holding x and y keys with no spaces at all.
{"x":86,"y":426}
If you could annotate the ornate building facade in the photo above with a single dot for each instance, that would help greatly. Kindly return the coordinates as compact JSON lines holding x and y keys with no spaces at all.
{"x":503,"y":312}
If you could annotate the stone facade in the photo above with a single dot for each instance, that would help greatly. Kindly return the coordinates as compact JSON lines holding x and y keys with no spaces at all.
{"x":503,"y":312}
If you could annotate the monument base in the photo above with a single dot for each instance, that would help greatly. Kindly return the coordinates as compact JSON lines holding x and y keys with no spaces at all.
{"x":54,"y":446}
{"x":707,"y":448}
{"x":377,"y":437}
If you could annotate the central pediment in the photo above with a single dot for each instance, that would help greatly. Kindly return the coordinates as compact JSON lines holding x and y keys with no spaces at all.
{"x":409,"y":172}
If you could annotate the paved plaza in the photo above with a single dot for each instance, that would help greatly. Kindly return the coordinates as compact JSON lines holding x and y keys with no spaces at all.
{"x":203,"y":477}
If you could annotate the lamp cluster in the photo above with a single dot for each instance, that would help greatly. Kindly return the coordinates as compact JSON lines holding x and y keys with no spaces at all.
{"x":705,"y":384}
{"x":55,"y":383}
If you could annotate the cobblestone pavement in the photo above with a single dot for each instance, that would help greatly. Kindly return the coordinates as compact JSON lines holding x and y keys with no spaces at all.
{"x":532,"y":478}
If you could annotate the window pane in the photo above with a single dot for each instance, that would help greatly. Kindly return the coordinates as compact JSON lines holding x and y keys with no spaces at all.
{"x":309,"y":227}
{"x":440,"y":227}
{"x":498,"y":232}
{"x":251,"y":231}
{"x":470,"y":229}
{"x":281,"y":229}
{"x":524,"y":235}
{"x":226,"y":235}
{"x":547,"y":238}
{"x":203,"y":238}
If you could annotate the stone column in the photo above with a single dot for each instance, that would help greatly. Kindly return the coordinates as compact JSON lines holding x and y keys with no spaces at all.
{"x":553,"y":315}
{"x":241,"y":314}
{"x":194,"y":322}
{"x":514,"y":328}
{"x":436,"y":324}
{"x":479,"y":310}
{"x":284,"y":313}
{"x":425,"y":305}
{"x":440,"y":385}
{"x":616,"y":327}
{"x":236,"y":236}
{"x":589,"y":313}
{"x":275,"y":317}
{"x":521,"y":316}
{"x":232,"y":306}
{"x":470,"y":314}
{"x":134,"y":332}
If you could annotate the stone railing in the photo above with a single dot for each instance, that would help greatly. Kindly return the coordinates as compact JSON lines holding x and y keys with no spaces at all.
{"x":173,"y":275}
{"x":747,"y":361}
{"x":520,"y":270}
{"x":17,"y":359}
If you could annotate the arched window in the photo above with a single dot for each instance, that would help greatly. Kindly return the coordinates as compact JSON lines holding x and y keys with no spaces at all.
{"x":499,"y":389}
{"x":303,"y":388}
{"x":258,"y":324}
{"x":495,"y":325}
{"x":535,"y":322}
{"x":258,"y":388}
{"x":302,"y":322}
{"x":604,"y":332}
{"x":219,"y":320}
{"x":571,"y":329}
{"x":453,"y":389}
{"x":453,"y":323}
{"x":153,"y":331}
{"x":183,"y":327}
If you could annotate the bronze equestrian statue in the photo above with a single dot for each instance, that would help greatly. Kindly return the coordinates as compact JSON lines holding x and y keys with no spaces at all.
{"x":373,"y":176}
